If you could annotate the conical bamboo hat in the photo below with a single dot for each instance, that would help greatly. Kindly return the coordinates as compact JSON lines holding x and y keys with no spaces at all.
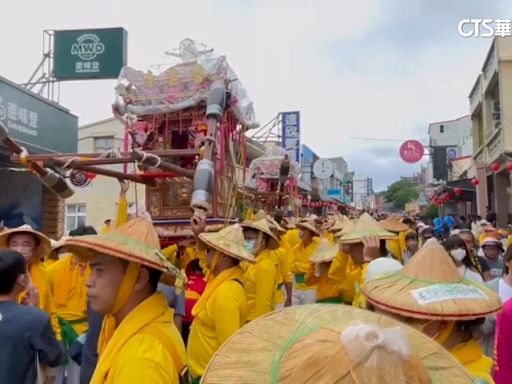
{"x":430,"y":287}
{"x":310,"y":225}
{"x":393,"y":224}
{"x":42,"y":250}
{"x":262,"y":226}
{"x":230,"y":241}
{"x":135,"y":241}
{"x":325,"y":252}
{"x":324,"y":344}
{"x":365,"y":226}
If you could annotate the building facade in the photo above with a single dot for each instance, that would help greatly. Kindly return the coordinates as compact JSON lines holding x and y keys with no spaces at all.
{"x":97,"y":202}
{"x":448,"y":140}
{"x":490,"y":103}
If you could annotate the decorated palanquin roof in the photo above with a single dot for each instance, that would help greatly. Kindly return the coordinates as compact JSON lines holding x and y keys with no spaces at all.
{"x":182,"y":86}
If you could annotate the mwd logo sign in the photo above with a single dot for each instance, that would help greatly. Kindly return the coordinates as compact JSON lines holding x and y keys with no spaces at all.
{"x":88,"y":47}
{"x":89,"y":54}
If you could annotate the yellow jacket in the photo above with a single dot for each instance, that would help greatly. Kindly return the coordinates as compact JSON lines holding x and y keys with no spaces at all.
{"x":292,"y":237}
{"x":472,"y":358}
{"x":301,"y":264}
{"x":260,"y":281}
{"x":284,"y":271}
{"x":349,"y":279}
{"x":325,"y":288}
{"x":67,"y":284}
{"x":39,"y":277}
{"x":393,"y":246}
{"x":137,"y":351}
{"x":220,"y":312}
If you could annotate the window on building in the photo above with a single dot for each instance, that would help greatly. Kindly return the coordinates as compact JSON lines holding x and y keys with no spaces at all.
{"x":75,"y":216}
{"x":103,"y":144}
{"x":441,"y":128}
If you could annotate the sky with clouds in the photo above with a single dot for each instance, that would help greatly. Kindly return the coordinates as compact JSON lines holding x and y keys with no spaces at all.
{"x":380,"y":69}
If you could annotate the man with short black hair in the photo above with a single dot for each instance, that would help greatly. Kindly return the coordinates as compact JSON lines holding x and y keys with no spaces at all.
{"x":25,"y":331}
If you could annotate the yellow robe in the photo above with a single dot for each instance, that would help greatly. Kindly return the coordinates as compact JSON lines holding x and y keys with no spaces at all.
{"x":472,"y":358}
{"x":284,"y":271}
{"x":39,"y":277}
{"x":222,"y":311}
{"x":67,"y":284}
{"x":260,"y":281}
{"x":325,"y":288}
{"x":135,"y":355}
{"x":301,"y":264}
{"x":349,"y":279}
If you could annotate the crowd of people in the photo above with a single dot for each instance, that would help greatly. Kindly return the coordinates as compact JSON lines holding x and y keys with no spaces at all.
{"x":329,"y":299}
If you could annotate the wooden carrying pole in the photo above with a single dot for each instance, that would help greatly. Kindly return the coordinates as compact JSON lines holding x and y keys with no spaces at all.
{"x":104,"y":172}
{"x":160,"y":152}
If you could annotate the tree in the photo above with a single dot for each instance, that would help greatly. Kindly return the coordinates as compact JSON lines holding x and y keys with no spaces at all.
{"x":431,"y":212}
{"x":402,"y":192}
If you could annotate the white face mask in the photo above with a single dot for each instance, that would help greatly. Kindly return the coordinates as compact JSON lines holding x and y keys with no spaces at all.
{"x":249,"y":244}
{"x":458,"y":254}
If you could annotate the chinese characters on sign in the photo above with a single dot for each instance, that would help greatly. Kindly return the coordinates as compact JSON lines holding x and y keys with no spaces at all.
{"x":18,"y":117}
{"x":87,"y":67}
{"x":89,"y":53}
{"x":290,"y":134}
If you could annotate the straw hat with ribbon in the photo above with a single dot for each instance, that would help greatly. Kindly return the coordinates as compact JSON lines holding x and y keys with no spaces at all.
{"x":42,"y":250}
{"x":365,"y":226}
{"x":393,"y":224}
{"x":229,"y":241}
{"x":325,"y":252}
{"x":309,"y":225}
{"x":323,"y":343}
{"x":135,"y":241}
{"x":430,"y":287}
{"x":263,"y":227}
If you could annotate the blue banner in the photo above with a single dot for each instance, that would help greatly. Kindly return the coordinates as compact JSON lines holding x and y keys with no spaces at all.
{"x":290,"y":134}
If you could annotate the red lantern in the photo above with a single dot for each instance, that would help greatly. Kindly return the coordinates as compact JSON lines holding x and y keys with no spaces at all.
{"x":495,"y":167}
{"x":447,"y":197}
{"x":457,"y":191}
{"x":475,"y":182}
{"x":509,"y":167}
{"x":90,"y":175}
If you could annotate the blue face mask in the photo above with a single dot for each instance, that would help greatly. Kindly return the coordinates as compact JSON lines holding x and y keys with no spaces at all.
{"x":249,"y":244}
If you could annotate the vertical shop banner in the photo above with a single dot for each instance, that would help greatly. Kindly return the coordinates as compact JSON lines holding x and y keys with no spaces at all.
{"x":290,"y":134}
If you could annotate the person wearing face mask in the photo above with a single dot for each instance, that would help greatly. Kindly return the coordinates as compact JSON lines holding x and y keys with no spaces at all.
{"x":467,"y":265}
{"x":429,"y":294}
{"x":260,"y":278}
{"x":310,"y":236}
{"x":222,"y":308}
{"x":34,"y":246}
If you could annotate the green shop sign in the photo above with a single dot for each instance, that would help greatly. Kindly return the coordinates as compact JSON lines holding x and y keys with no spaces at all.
{"x":36,"y":123}
{"x":89,"y":53}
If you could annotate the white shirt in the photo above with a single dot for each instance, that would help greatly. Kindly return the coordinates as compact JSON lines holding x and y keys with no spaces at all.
{"x":469,"y":274}
{"x":504,"y":291}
